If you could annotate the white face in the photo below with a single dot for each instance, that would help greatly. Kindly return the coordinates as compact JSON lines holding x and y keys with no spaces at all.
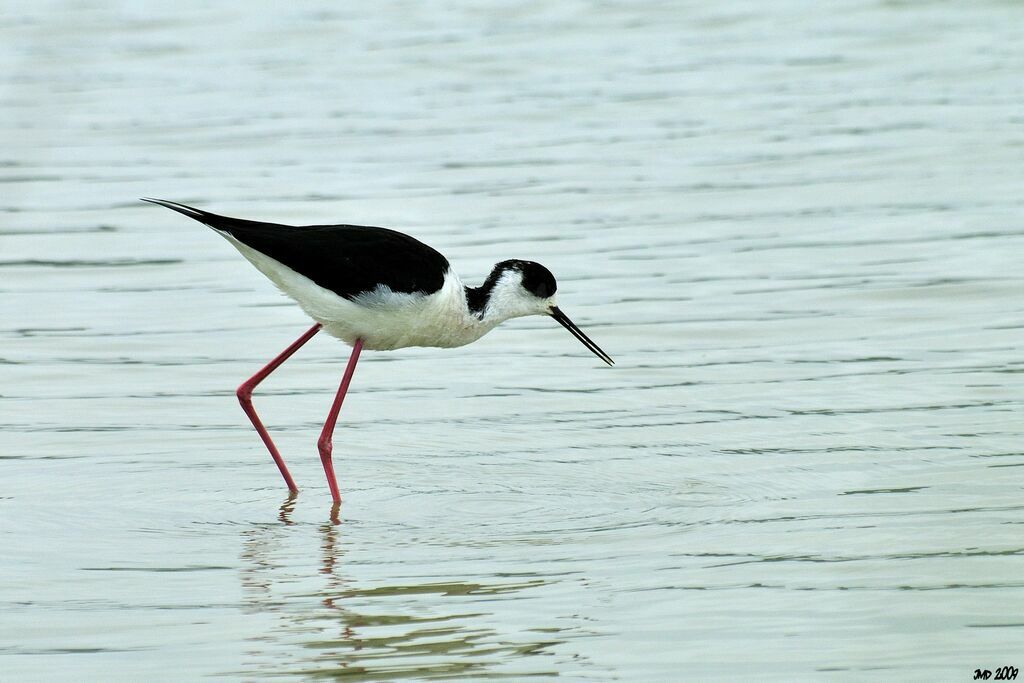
{"x":509,"y":299}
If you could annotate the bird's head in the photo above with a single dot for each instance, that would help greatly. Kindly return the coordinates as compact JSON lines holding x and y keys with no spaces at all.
{"x":518,"y":288}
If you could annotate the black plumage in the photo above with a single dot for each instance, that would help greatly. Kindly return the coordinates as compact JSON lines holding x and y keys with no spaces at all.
{"x":346,"y":259}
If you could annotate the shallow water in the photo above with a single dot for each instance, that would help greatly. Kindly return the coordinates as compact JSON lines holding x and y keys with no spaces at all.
{"x":798,"y":231}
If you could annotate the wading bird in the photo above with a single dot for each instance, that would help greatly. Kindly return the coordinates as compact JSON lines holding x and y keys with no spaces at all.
{"x":377,"y":289}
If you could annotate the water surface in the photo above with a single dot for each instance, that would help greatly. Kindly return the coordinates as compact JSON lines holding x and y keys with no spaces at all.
{"x":797,"y":229}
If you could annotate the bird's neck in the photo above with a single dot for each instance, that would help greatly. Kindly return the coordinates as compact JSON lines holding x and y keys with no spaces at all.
{"x":481,"y":300}
{"x":491,"y":304}
{"x":484,"y":306}
{"x":476,"y":300}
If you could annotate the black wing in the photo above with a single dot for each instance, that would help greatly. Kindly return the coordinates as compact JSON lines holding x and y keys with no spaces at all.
{"x":346,"y":259}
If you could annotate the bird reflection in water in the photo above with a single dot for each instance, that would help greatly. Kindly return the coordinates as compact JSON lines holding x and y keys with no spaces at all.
{"x":326,"y":625}
{"x":285,"y":512}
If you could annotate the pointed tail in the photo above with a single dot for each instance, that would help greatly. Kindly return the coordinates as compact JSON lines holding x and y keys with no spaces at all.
{"x":175,"y":206}
{"x":215,"y":221}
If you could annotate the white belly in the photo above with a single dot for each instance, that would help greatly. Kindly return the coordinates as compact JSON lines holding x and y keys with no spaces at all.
{"x":383,"y":319}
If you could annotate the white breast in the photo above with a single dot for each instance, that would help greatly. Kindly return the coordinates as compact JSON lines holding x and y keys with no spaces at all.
{"x":383,"y":319}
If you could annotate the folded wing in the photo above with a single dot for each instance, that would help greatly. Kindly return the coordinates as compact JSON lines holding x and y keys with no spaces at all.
{"x":346,"y":259}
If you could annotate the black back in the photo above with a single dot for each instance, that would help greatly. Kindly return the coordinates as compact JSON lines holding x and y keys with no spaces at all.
{"x":346,"y":259}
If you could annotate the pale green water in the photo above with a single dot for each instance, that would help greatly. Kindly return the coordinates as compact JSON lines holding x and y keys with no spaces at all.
{"x":798,"y":231}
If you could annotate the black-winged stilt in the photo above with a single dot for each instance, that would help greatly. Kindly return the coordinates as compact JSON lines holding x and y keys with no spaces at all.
{"x":378,"y":289}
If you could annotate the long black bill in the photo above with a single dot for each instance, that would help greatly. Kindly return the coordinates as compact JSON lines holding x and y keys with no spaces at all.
{"x":564,"y":321}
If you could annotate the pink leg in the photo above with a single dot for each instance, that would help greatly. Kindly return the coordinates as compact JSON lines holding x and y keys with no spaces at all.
{"x":324,"y":444}
{"x":244,"y":393}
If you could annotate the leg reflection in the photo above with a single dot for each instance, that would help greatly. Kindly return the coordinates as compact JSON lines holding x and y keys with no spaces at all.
{"x":285,"y":511}
{"x":335,"y":583}
{"x":318,"y":618}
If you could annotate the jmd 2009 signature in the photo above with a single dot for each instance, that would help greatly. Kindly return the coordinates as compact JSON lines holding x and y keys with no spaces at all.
{"x":1003,"y":673}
